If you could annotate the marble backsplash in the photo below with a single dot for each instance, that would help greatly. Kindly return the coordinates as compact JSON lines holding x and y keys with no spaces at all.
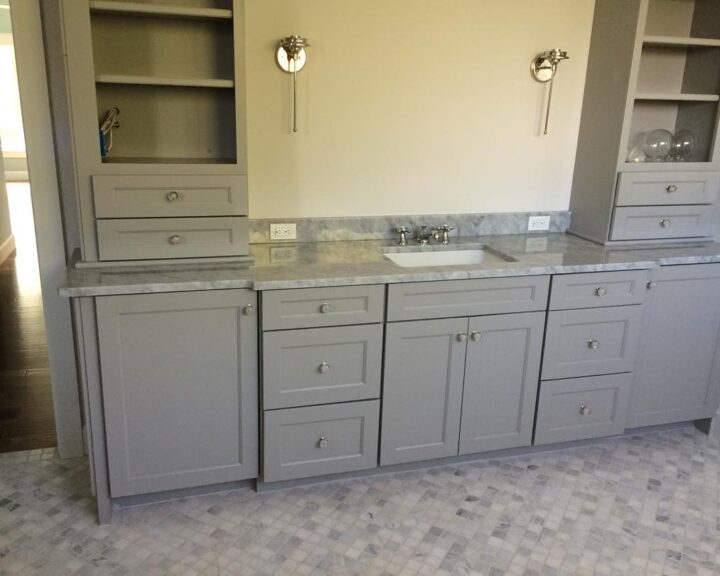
{"x":383,"y":227}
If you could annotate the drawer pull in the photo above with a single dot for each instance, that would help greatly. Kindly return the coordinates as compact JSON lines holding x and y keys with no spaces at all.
{"x":476,"y":336}
{"x":671,"y":189}
{"x":462,"y":337}
{"x":322,"y":442}
{"x":249,"y":310}
{"x":650,"y":284}
{"x":324,"y":308}
{"x":666,"y":223}
{"x":585,"y":410}
{"x":174,"y":240}
{"x":593,"y":344}
{"x":600,"y":291}
{"x":324,"y":368}
{"x":172,"y":196}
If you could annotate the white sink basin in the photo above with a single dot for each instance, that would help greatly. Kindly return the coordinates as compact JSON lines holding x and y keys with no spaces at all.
{"x":416,"y":259}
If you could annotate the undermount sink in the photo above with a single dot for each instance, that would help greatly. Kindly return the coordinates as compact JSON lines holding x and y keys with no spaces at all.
{"x":418,"y":257}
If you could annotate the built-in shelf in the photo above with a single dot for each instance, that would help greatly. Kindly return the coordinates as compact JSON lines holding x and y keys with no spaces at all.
{"x":159,"y":10}
{"x":679,"y":97}
{"x":155,"y":81}
{"x":135,"y":160}
{"x":680,"y":41}
{"x":667,"y":167}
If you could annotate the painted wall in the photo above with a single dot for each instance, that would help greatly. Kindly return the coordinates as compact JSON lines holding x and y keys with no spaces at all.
{"x":413,"y":106}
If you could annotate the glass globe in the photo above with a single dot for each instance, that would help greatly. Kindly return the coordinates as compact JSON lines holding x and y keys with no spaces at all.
{"x":657,"y":145}
{"x":683,"y":147}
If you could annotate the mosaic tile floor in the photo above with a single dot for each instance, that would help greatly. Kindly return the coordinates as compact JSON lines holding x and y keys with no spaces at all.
{"x":646,"y":504}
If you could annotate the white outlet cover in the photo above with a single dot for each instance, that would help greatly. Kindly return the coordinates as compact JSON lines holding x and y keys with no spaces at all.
{"x":283,"y":231}
{"x":538,"y":223}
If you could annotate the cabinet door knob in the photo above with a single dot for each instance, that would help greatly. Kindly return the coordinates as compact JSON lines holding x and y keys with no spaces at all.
{"x":324,"y":368}
{"x":593,"y":344}
{"x":172,"y":196}
{"x":476,"y":336}
{"x":585,"y":410}
{"x":671,"y":188}
{"x":324,"y":308}
{"x":249,"y":310}
{"x":322,"y":442}
{"x":600,"y":291}
{"x":650,"y":284}
{"x":174,"y":240}
{"x":462,"y":337}
{"x":666,"y":223}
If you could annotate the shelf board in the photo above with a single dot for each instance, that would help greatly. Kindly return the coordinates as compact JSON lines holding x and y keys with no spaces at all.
{"x":155,"y":81}
{"x":146,"y":160}
{"x":678,"y":97}
{"x":679,"y":41}
{"x":159,"y":10}
{"x":668,"y":167}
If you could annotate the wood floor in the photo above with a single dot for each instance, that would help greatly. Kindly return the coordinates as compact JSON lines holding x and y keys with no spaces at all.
{"x":27,"y":421}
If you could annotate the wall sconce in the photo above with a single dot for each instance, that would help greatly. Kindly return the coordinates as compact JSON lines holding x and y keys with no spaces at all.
{"x":543,"y":68}
{"x":291,"y":57}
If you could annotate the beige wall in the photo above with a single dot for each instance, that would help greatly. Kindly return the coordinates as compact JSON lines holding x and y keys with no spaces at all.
{"x":413,"y":106}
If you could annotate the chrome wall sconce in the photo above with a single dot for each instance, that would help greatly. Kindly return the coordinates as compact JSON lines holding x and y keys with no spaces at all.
{"x":544,"y":67}
{"x":291,"y":57}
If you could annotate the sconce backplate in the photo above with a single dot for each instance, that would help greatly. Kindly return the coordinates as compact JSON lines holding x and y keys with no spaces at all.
{"x":283,"y":61}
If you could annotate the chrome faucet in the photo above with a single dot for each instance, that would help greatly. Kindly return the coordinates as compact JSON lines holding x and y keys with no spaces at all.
{"x":423,"y":235}
{"x":441,"y":233}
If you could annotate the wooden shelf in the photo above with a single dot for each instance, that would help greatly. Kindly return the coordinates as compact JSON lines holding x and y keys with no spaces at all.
{"x":155,"y":81}
{"x":678,"y":41}
{"x":126,"y":160}
{"x":159,"y":10}
{"x":679,"y":97}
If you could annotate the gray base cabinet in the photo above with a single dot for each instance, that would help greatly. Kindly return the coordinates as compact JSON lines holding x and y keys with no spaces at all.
{"x":179,"y":384}
{"x":678,"y":375}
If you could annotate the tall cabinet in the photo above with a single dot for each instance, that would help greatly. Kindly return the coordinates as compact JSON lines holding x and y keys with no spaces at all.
{"x":173,"y":184}
{"x":654,"y":64}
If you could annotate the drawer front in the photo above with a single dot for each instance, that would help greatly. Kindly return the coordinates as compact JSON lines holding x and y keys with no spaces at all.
{"x":667,"y":188}
{"x":591,"y":342}
{"x":659,"y":222}
{"x":318,"y":440}
{"x":456,"y":298}
{"x":321,"y":365}
{"x":598,"y":289}
{"x":311,"y":307}
{"x":169,"y":196}
{"x":172,"y":238}
{"x":582,"y":408}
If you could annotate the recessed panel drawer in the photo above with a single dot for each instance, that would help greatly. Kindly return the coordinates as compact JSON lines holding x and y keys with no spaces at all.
{"x":456,"y":298}
{"x":321,"y":365}
{"x":147,"y":238}
{"x":660,"y":222}
{"x":591,"y":342}
{"x":311,"y":307}
{"x":667,"y":188}
{"x":317,"y":440}
{"x":598,"y":289}
{"x":582,"y":408}
{"x":147,"y":196}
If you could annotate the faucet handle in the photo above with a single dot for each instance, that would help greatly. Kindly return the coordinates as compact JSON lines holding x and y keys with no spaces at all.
{"x":403,"y":231}
{"x":446,"y":228}
{"x":441,"y":233}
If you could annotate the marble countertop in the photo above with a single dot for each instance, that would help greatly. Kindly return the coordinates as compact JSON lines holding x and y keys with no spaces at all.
{"x":315,"y":264}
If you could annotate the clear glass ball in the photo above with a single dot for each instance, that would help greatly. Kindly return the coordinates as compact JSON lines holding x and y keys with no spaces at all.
{"x":684,"y":143}
{"x":657,"y":145}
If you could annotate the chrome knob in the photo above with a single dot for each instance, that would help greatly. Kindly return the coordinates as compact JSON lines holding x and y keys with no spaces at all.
{"x":585,"y":410}
{"x":671,"y":188}
{"x":324,"y":308}
{"x":322,"y":442}
{"x":324,"y":368}
{"x":172,"y":196}
{"x":666,"y":223}
{"x":249,"y":310}
{"x":650,"y":284}
{"x":476,"y":336}
{"x":593,"y":344}
{"x":462,"y":337}
{"x":600,"y":291}
{"x":174,"y":240}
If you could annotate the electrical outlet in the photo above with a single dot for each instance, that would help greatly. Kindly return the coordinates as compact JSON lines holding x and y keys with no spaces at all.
{"x":285,"y":231}
{"x":538,"y":223}
{"x":283,"y":254}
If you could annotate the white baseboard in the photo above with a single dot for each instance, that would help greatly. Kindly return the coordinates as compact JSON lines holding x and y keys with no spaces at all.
{"x":7,"y":248}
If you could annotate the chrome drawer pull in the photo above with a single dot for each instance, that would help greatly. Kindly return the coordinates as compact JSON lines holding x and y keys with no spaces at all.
{"x":322,"y":442}
{"x":324,"y":308}
{"x":172,"y":196}
{"x":585,"y":410}
{"x":671,"y":188}
{"x":476,"y":336}
{"x":666,"y":223}
{"x":174,"y":240}
{"x":650,"y":284}
{"x":249,"y":310}
{"x":600,"y":291}
{"x":462,"y":337}
{"x":324,"y":368}
{"x":593,"y":344}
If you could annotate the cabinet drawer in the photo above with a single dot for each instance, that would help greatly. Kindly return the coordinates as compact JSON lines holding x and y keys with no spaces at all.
{"x":321,"y":365}
{"x":582,"y":408}
{"x":659,"y":222}
{"x":311,"y":307}
{"x":172,"y":238}
{"x":598,"y":289}
{"x":591,"y":342}
{"x":168,"y":196}
{"x":420,"y":300}
{"x":317,"y":440}
{"x":667,"y":188}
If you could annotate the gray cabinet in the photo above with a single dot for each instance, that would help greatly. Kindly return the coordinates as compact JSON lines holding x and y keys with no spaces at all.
{"x":678,"y":374}
{"x":179,"y":385}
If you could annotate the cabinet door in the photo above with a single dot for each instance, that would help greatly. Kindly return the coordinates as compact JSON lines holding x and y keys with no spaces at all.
{"x":678,"y":374}
{"x":502,"y":370}
{"x":179,"y":380}
{"x":422,"y":394}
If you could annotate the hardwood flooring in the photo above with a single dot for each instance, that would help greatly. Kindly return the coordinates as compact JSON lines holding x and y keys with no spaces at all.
{"x":27,"y":420}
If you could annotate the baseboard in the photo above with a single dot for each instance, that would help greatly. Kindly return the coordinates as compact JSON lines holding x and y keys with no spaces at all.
{"x":7,"y":248}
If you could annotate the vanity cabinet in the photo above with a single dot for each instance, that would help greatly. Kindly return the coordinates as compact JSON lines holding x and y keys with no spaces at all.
{"x":179,"y":389}
{"x":678,"y":374}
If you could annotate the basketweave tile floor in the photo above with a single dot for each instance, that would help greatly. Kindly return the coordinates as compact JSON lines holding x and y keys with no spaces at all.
{"x":645,"y":504}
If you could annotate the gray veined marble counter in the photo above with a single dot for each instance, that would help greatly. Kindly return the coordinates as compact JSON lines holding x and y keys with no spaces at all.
{"x":314,"y":264}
